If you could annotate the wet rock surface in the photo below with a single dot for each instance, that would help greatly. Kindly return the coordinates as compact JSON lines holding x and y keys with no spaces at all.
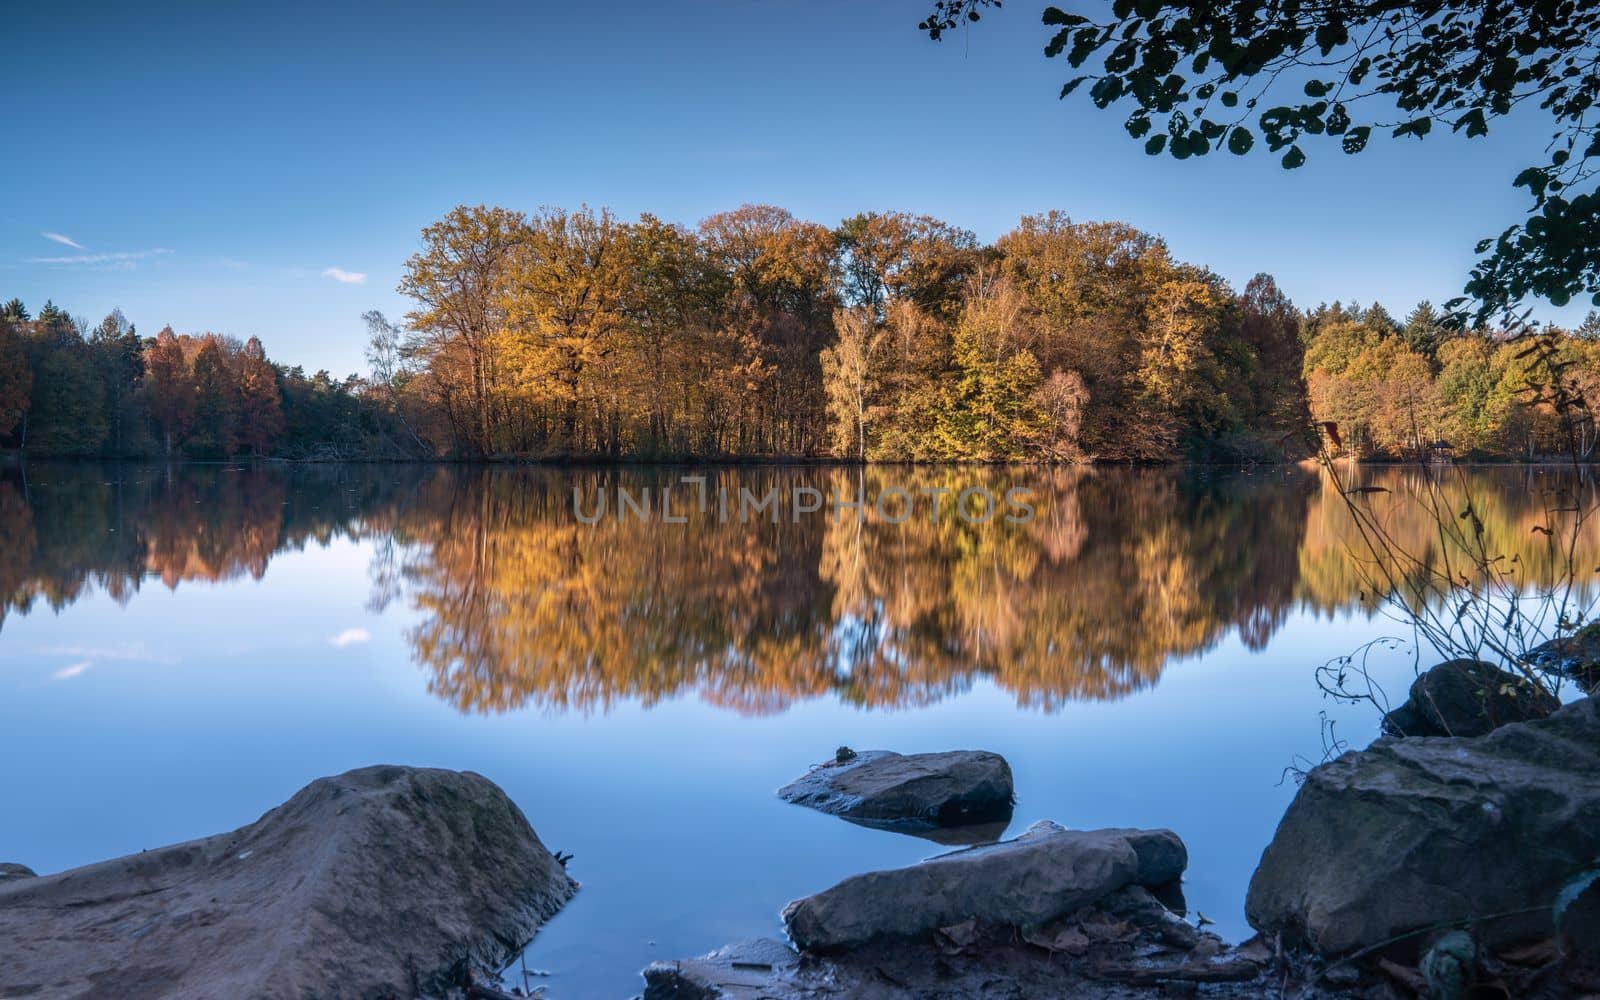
{"x":381,"y":882}
{"x":927,"y":790}
{"x":1045,"y":872}
{"x":1128,"y":945}
{"x":1485,"y":832}
{"x":1576,"y":656}
{"x":1467,"y":698}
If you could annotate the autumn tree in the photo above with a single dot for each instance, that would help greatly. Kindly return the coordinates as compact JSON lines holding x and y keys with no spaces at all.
{"x":988,"y":410}
{"x":664,"y":304}
{"x":779,"y":299}
{"x":566,"y":314}
{"x":459,"y":280}
{"x":215,"y":433}
{"x":1060,"y":401}
{"x":849,"y":376}
{"x":1176,"y":363}
{"x":169,"y":390}
{"x":1090,"y":285}
{"x":896,"y":255}
{"x":260,"y":405}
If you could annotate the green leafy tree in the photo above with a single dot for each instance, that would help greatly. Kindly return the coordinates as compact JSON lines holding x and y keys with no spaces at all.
{"x":1198,"y":77}
{"x":16,"y":379}
{"x":66,"y":412}
{"x":988,"y":410}
{"x":1424,"y":330}
{"x":119,"y":356}
{"x":1269,"y":325}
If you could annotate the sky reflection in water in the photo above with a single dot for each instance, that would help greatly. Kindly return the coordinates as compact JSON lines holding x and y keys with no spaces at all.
{"x":182,"y":649}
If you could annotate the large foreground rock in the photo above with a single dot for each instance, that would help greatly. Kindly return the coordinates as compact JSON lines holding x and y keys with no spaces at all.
{"x":884,"y":788}
{"x":1412,"y":833}
{"x":1044,"y":873}
{"x":382,"y":882}
{"x":1467,"y":698}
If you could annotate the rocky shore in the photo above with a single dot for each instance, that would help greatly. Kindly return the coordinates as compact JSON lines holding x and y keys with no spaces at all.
{"x":1442,"y":866}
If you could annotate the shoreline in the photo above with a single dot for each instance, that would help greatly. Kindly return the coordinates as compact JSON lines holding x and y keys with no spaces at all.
{"x":17,"y":459}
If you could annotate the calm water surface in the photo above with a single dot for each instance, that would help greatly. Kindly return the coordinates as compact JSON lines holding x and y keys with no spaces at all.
{"x":182,"y":648}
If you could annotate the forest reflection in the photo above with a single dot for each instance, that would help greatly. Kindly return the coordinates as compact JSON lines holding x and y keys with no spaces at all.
{"x":514,"y":601}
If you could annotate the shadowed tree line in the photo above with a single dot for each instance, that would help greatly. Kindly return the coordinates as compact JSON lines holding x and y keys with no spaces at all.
{"x":512,"y":600}
{"x":71,"y":388}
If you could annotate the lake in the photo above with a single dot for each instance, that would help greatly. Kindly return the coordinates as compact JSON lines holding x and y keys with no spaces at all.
{"x":182,"y":648}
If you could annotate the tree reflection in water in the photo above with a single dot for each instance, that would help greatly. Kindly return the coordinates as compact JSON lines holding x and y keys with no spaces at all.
{"x":518,"y":602}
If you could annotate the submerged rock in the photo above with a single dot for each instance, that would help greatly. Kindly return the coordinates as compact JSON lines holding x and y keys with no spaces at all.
{"x":1415,"y":833}
{"x":381,"y":882}
{"x":1576,"y":656}
{"x":1467,"y":698}
{"x":884,"y":788}
{"x":1046,"y":872}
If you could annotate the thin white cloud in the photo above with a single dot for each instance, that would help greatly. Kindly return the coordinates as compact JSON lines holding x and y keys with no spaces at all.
{"x":133,"y":652}
{"x":101,"y":258}
{"x":69,"y":672}
{"x":350,"y":637}
{"x":65,"y":241}
{"x":344,"y":277}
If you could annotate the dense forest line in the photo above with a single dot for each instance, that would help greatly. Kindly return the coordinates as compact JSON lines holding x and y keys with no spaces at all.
{"x":890,"y":337}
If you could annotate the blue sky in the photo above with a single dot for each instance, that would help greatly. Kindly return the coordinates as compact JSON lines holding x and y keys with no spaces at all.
{"x":223,"y":169}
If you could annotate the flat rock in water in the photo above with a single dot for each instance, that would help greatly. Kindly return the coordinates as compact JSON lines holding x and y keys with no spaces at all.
{"x":1467,"y":698}
{"x":884,"y":788}
{"x":1045,"y":872}
{"x":746,"y":969}
{"x":381,"y":882}
{"x":1413,"y":833}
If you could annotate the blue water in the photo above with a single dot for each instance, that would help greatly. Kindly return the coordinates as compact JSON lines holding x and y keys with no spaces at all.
{"x":191,"y":707}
